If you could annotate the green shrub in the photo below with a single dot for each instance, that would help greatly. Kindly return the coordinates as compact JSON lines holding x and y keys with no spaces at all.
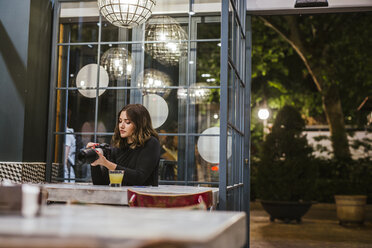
{"x":286,"y":170}
{"x":344,"y":178}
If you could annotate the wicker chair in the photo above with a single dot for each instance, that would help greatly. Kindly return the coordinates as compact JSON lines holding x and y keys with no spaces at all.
{"x":25,"y":172}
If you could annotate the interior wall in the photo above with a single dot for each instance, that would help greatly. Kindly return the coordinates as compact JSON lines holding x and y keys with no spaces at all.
{"x":25,"y":27}
{"x":14,"y":19}
{"x":37,"y":83}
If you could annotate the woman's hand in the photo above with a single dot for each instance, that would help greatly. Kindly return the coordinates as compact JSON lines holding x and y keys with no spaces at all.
{"x":101,"y":159}
{"x":91,"y":145}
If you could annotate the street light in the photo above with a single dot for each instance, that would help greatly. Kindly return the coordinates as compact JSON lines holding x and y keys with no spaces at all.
{"x":264,"y":114}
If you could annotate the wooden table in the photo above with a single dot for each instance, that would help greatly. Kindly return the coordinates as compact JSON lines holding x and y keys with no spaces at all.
{"x":116,"y":226}
{"x":104,"y":194}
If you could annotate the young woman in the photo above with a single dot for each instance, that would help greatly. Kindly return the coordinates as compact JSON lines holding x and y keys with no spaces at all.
{"x":136,"y":150}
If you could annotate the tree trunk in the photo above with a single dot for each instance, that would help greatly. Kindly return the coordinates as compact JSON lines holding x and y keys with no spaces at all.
{"x":335,"y":118}
{"x":330,"y":94}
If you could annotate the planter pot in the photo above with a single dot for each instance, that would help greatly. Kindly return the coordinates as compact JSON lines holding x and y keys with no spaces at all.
{"x":350,"y":208}
{"x":286,"y":211}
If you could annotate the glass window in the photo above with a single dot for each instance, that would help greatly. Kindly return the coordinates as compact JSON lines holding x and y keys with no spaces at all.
{"x":171,"y":64}
{"x":77,"y":63}
{"x":208,"y":30}
{"x":78,"y":29}
{"x":207,"y":62}
{"x":119,"y":63}
{"x":206,"y":157}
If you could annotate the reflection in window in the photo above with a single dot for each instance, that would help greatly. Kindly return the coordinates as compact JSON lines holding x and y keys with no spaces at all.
{"x":167,"y":35}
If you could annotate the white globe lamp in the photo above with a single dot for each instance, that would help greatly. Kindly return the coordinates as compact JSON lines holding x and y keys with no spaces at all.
{"x":263,"y":114}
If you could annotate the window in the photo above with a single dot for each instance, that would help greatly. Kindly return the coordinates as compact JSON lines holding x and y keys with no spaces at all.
{"x":100,"y":68}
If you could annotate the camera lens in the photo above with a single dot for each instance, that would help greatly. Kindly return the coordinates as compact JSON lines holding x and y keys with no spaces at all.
{"x":87,"y":156}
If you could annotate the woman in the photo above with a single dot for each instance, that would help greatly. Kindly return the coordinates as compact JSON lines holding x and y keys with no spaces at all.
{"x":136,"y":150}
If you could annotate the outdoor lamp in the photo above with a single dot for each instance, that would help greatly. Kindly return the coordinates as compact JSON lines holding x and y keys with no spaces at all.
{"x":126,"y":13}
{"x":311,"y":3}
{"x":118,"y":63}
{"x":165,"y":35}
{"x":263,"y":114}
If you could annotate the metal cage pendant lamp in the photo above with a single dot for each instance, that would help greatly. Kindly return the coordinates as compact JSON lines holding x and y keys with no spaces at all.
{"x":126,"y":13}
{"x":118,"y":63}
{"x":169,"y":40}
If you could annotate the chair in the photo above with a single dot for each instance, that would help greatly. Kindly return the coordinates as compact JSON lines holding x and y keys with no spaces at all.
{"x":201,"y":200}
{"x":26,"y":172}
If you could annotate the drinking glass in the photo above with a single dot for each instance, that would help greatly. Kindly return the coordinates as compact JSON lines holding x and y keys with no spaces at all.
{"x":116,"y":177}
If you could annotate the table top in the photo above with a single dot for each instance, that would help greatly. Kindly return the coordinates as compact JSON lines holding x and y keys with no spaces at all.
{"x":102,"y":226}
{"x":104,"y":194}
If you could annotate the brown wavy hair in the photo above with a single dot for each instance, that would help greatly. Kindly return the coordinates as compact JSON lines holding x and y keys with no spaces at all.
{"x":143,"y":129}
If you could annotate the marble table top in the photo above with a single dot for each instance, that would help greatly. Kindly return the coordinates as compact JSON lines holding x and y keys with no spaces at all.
{"x":104,"y":194}
{"x":116,"y":226}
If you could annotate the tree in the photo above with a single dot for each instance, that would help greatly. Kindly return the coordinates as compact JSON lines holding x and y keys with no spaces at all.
{"x":286,"y":171}
{"x":335,"y":50}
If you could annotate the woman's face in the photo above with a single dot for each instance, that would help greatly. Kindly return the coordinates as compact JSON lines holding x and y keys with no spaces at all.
{"x":126,"y":126}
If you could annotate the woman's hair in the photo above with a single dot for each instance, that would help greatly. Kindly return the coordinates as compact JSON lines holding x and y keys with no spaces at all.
{"x":143,"y":129}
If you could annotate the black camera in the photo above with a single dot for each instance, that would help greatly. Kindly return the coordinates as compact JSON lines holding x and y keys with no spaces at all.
{"x":89,"y":155}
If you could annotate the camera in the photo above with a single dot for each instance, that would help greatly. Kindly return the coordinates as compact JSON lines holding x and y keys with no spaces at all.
{"x":89,"y":155}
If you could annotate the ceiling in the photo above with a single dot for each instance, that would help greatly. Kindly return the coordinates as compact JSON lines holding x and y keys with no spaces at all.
{"x":258,"y":7}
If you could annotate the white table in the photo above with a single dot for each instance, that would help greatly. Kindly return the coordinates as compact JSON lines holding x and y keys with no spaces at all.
{"x":116,"y":226}
{"x":104,"y":194}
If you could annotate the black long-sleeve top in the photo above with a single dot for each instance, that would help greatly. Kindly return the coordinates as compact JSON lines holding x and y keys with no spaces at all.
{"x":140,"y":165}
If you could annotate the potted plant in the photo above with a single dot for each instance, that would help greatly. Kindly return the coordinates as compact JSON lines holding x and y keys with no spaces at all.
{"x":286,"y":172}
{"x":352,"y":186}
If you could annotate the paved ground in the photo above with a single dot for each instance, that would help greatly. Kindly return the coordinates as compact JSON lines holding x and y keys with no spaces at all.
{"x":319,"y":228}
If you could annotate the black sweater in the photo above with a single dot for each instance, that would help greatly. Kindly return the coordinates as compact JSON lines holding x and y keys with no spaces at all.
{"x":140,"y":165}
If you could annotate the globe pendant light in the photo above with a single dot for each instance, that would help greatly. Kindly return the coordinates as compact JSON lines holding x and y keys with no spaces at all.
{"x":118,"y":63}
{"x":154,"y":82}
{"x":126,"y":13}
{"x":198,"y":94}
{"x":166,"y":35}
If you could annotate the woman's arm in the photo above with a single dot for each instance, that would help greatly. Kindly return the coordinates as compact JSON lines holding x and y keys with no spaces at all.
{"x":147,"y":161}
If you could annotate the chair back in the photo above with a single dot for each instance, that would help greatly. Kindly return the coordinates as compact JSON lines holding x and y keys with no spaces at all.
{"x":201,"y":200}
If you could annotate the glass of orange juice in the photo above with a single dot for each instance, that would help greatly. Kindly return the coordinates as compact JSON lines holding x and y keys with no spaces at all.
{"x":116,"y":177}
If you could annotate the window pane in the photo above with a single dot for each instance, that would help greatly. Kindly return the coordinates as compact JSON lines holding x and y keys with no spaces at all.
{"x":114,"y":33}
{"x":204,"y":113}
{"x":104,"y":139}
{"x":78,"y":29}
{"x":109,"y":105}
{"x":80,"y":109}
{"x":206,"y":158}
{"x":230,"y":95}
{"x":119,"y":63}
{"x":168,"y":59}
{"x":167,"y":110}
{"x":167,"y":45}
{"x":170,"y":148}
{"x":230,"y":157}
{"x":208,"y":30}
{"x":66,"y":149}
{"x":75,"y":60}
{"x":207,"y":62}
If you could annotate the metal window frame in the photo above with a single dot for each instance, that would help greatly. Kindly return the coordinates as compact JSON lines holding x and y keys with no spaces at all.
{"x":235,"y":174}
{"x":54,"y":88}
{"x":233,"y":182}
